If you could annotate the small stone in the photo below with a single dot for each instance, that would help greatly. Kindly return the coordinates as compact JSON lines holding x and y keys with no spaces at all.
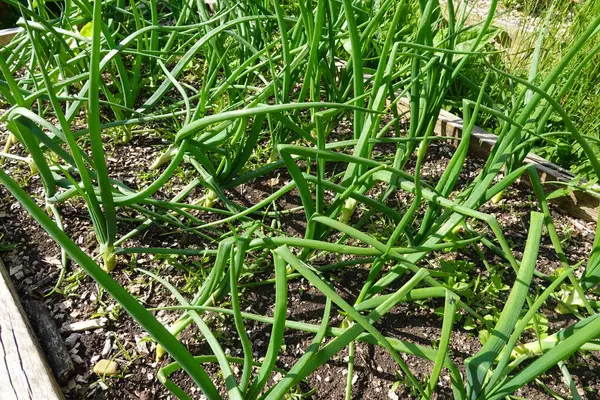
{"x":72,"y":339}
{"x":142,"y":347}
{"x":106,"y":367}
{"x":15,"y":270}
{"x":274,"y":181}
{"x":392,"y":395}
{"x":107,"y":347}
{"x":76,"y":359}
{"x":65,"y":305}
{"x":52,"y":261}
{"x":145,"y":395}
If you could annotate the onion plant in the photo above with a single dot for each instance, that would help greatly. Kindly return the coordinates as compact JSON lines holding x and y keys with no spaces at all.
{"x":244,"y":90}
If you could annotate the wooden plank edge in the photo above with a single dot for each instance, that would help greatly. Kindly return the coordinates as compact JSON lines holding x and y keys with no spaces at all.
{"x":6,"y":35}
{"x":579,"y":204}
{"x":24,"y":372}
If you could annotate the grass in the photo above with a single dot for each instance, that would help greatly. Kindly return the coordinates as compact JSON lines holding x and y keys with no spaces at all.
{"x":531,"y":54}
{"x":254,"y":88}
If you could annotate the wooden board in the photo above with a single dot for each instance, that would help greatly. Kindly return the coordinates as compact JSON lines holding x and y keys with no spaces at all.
{"x":24,"y":373}
{"x":6,"y":35}
{"x":578,"y":204}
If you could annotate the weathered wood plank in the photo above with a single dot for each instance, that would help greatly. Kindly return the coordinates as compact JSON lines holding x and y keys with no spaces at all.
{"x":578,"y":204}
{"x":6,"y":35}
{"x":24,"y":373}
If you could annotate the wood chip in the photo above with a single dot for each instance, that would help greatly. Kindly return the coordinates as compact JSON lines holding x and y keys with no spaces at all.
{"x":85,"y":325}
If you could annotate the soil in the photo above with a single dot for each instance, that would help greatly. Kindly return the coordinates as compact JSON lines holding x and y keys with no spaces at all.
{"x":34,"y":261}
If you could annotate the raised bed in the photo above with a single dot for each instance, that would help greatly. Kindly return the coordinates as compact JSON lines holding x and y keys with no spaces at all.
{"x":581,"y":205}
{"x":449,"y":125}
{"x":24,"y":374}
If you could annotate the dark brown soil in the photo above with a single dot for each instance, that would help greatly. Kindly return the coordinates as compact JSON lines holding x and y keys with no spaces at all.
{"x":34,"y":261}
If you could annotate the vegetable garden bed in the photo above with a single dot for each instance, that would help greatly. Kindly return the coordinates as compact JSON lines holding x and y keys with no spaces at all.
{"x":197,"y":183}
{"x":418,"y":323}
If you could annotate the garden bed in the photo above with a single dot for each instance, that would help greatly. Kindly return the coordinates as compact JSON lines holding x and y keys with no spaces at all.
{"x":34,"y":261}
{"x":342,"y":249}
